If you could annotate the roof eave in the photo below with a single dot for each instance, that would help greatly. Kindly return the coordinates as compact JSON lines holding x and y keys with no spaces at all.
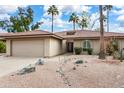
{"x":30,"y":36}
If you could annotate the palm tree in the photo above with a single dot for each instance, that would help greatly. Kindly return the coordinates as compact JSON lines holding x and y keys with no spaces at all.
{"x":102,"y":51}
{"x":107,"y":8}
{"x":53,"y":11}
{"x":74,"y":18}
{"x":83,"y":22}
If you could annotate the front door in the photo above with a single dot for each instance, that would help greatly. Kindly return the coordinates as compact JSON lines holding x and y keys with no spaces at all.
{"x":69,"y":46}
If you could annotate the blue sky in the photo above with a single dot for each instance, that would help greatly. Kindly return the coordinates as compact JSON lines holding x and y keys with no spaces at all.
{"x":61,"y":21}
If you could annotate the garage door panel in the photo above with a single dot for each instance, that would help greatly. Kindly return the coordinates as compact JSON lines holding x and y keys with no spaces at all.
{"x":31,"y":48}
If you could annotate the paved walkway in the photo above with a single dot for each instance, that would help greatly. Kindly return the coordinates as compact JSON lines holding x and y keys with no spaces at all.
{"x":12,"y":64}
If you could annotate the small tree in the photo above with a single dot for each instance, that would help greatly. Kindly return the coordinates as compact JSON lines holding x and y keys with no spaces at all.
{"x":22,"y":21}
{"x":2,"y":47}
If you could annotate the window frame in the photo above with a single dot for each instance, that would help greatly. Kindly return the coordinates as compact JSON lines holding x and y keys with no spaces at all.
{"x":86,"y":42}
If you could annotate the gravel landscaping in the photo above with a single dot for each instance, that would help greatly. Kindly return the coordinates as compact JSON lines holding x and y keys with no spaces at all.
{"x":68,"y":71}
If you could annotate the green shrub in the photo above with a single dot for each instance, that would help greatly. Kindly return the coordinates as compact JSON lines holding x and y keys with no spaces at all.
{"x":79,"y":62}
{"x":116,"y":55}
{"x":2,"y":47}
{"x":88,"y":50}
{"x":109,"y":49}
{"x":78,"y":50}
{"x":121,"y":56}
{"x":112,"y":46}
{"x":84,"y":49}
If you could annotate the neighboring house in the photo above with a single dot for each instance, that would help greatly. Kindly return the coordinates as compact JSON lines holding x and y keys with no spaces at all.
{"x":45,"y":44}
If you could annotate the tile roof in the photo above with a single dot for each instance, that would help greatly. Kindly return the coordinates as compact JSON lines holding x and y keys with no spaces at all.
{"x":28,"y":34}
{"x":87,"y":33}
{"x":63,"y":34}
{"x":35,"y":32}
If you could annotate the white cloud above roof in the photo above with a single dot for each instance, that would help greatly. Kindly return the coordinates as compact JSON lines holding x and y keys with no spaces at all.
{"x":120,"y":18}
{"x":63,"y":10}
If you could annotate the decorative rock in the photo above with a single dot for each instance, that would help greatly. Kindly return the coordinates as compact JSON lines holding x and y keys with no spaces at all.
{"x":74,"y":68}
{"x":30,"y":68}
{"x":12,"y":75}
{"x":77,"y":65}
{"x":40,"y":62}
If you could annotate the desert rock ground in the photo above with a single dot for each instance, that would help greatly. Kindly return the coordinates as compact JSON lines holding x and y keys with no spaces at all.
{"x":59,"y":72}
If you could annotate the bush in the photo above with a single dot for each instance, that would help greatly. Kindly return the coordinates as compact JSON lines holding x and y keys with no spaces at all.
{"x":84,"y":49}
{"x":122,"y":57}
{"x":88,"y":50}
{"x":79,"y":62}
{"x":112,"y":47}
{"x":109,"y":49}
{"x":116,"y":55}
{"x":2,"y":47}
{"x":78,"y":50}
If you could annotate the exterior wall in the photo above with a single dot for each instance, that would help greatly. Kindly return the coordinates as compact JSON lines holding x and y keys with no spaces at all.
{"x":121,"y":43}
{"x":94,"y":45}
{"x":64,"y":47}
{"x":8,"y":47}
{"x":47,"y":46}
{"x":55,"y":47}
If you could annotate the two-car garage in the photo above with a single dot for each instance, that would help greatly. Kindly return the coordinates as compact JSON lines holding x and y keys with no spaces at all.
{"x":28,"y":48}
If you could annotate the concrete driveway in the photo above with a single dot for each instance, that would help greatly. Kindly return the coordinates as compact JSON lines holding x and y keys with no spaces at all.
{"x":12,"y":64}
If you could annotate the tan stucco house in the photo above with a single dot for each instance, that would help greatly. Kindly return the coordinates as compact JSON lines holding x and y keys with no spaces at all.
{"x":46,"y":44}
{"x":33,"y":44}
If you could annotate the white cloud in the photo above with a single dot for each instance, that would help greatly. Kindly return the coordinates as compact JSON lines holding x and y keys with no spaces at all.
{"x":120,"y":18}
{"x":93,"y":21}
{"x":6,"y":9}
{"x":9,"y":8}
{"x":118,"y":12}
{"x":117,"y":28}
{"x":63,"y":9}
{"x":4,"y":16}
{"x":119,"y":6}
{"x":75,"y":8}
{"x":70,"y":8}
{"x":57,"y":22}
{"x":2,"y":31}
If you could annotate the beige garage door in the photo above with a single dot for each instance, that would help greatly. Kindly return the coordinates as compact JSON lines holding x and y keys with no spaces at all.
{"x":27,"y":48}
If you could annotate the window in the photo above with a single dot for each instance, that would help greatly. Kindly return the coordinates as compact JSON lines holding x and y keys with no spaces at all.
{"x":86,"y":44}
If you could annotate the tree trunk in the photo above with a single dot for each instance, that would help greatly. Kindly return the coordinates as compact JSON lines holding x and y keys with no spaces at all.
{"x":82,"y":28}
{"x":74,"y":26}
{"x":102,"y":51}
{"x":52,"y":22}
{"x":107,"y":20}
